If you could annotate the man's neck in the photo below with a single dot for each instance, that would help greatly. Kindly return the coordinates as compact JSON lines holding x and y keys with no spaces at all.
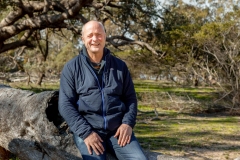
{"x":95,"y":57}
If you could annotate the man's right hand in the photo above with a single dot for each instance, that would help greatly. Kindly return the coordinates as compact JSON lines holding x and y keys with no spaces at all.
{"x":94,"y":142}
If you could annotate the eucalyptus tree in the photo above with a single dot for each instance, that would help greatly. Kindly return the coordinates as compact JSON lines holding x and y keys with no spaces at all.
{"x":25,"y":18}
{"x":219,"y":41}
{"x":27,"y":24}
{"x":173,"y":38}
{"x":207,"y":45}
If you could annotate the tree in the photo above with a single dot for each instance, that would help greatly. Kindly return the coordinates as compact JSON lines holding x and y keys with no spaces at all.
{"x":173,"y":39}
{"x":26,"y":18}
{"x":31,"y":24}
{"x":220,"y":44}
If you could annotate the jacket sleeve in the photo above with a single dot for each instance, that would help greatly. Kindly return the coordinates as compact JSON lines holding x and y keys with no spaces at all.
{"x":129,"y":98}
{"x":68,"y":104}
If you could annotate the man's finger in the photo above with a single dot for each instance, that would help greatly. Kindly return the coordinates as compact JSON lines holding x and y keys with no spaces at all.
{"x":129,"y":139}
{"x":120,"y":138}
{"x":95,"y":150}
{"x":100,"y":148}
{"x":89,"y":149}
{"x":125,"y":140}
{"x":116,"y":134}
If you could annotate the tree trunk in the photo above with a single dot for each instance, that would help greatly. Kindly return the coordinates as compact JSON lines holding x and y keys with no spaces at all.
{"x":40,"y":78}
{"x":31,"y":127}
{"x":28,"y":79}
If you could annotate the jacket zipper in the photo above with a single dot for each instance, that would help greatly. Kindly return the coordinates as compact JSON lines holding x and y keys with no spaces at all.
{"x":102,"y":95}
{"x":103,"y":108}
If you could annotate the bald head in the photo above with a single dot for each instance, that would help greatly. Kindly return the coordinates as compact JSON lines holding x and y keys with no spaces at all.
{"x":90,"y":23}
{"x":94,"y":37}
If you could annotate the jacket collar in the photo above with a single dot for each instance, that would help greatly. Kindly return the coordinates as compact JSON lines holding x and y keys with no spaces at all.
{"x":104,"y":60}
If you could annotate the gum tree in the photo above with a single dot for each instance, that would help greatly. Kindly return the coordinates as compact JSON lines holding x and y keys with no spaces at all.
{"x":25,"y":18}
{"x":26,"y":25}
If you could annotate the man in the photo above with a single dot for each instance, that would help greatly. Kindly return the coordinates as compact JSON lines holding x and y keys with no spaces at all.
{"x":98,"y":101}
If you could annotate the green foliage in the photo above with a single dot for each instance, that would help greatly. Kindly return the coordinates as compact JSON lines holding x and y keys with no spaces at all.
{"x":16,"y":158}
{"x":209,"y":32}
{"x":57,"y":62}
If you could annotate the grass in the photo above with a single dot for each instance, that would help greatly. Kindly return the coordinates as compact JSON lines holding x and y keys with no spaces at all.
{"x":175,"y":134}
{"x":201,"y":93}
{"x":36,"y":88}
{"x":16,"y":158}
{"x":172,"y":120}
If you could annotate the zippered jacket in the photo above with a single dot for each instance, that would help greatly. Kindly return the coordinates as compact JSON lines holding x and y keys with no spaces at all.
{"x":87,"y":105}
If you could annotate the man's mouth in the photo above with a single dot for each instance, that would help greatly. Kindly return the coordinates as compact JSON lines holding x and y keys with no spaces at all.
{"x":95,"y":44}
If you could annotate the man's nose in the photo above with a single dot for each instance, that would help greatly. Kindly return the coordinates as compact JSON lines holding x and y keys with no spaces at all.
{"x":94,"y":38}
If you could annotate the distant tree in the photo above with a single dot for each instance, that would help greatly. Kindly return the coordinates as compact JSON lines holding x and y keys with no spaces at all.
{"x":55,"y":63}
{"x":220,"y":43}
{"x":174,"y":40}
{"x":44,"y":60}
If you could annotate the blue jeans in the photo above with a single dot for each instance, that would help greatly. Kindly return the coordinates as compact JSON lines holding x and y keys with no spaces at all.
{"x":131,"y":151}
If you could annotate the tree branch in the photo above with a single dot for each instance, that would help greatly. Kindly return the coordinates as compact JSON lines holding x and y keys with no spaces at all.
{"x":125,"y":41}
{"x":20,"y":43}
{"x":13,"y":25}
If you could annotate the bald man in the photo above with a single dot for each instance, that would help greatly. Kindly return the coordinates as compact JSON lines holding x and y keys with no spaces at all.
{"x":98,"y":101}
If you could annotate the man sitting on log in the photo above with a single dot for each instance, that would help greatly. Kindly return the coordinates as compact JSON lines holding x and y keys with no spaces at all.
{"x":98,"y":101}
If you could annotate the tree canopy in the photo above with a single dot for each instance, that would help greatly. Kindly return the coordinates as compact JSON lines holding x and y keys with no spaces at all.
{"x":21,"y":20}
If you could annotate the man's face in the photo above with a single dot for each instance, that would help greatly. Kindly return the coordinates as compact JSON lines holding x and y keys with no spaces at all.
{"x":94,"y":37}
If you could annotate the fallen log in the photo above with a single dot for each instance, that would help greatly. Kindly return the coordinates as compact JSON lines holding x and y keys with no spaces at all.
{"x":31,"y":127}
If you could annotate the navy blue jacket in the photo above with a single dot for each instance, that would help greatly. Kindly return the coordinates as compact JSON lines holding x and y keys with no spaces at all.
{"x":87,"y":105}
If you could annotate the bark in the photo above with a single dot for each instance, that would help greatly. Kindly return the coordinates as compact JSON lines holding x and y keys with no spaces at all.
{"x":31,"y":127}
{"x":40,"y":78}
{"x":28,"y":78}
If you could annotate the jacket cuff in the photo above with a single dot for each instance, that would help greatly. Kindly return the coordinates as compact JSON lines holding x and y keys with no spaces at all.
{"x":130,"y":124}
{"x":85,"y":135}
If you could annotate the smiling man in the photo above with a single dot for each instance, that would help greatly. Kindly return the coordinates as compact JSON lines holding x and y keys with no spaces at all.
{"x":94,"y":37}
{"x":98,"y":101}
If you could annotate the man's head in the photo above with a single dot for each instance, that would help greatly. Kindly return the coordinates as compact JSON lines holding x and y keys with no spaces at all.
{"x":94,"y":37}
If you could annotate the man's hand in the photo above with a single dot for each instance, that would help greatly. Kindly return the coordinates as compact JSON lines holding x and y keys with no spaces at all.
{"x":93,"y":141}
{"x":124,"y":134}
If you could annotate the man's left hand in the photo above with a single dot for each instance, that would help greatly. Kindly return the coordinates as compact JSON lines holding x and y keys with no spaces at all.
{"x":124,"y":134}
